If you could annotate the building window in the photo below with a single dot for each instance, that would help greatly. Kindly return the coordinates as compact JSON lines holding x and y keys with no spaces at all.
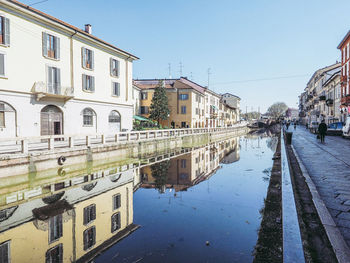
{"x":55,"y":228}
{"x":51,"y":46}
{"x":183,"y":109}
{"x":183,"y":163}
{"x":89,"y":214}
{"x":183,"y":96}
{"x":5,"y":252}
{"x":115,"y":222}
{"x":116,"y":201}
{"x":197,"y":111}
{"x":114,"y":64}
{"x":144,"y":95}
{"x":89,"y":237}
{"x":88,"y":117}
{"x":88,"y":83}
{"x":2,"y":65}
{"x":53,"y":80}
{"x":114,"y":117}
{"x":144,"y":110}
{"x":87,"y":58}
{"x":183,"y":176}
{"x":115,"y":89}
{"x":55,"y":254}
{"x":4,"y":31}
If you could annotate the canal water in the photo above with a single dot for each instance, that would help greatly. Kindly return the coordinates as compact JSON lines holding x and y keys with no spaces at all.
{"x":190,"y":205}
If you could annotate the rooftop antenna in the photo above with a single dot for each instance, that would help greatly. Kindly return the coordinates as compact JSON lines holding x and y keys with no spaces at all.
{"x":191,"y":76}
{"x":169,"y":68}
{"x":181,"y":67}
{"x":209,"y":73}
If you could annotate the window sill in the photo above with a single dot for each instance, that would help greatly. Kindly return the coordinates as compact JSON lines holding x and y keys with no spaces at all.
{"x":89,"y":69}
{"x":88,"y":126}
{"x":49,"y":58}
{"x":3,"y":77}
{"x":4,"y":45}
{"x":88,"y":91}
{"x":115,"y":231}
{"x":113,"y":76}
{"x":116,"y":96}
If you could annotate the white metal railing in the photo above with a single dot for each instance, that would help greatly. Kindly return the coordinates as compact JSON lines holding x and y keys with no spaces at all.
{"x":51,"y":142}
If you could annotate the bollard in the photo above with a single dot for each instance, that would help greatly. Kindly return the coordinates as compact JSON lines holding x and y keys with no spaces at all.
{"x":289,"y":138}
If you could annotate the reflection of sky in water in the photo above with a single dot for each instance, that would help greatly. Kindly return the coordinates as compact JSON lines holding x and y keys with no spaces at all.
{"x":223,"y":210}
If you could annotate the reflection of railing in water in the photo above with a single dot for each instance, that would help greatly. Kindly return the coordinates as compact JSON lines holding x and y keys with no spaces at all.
{"x":51,"y":142}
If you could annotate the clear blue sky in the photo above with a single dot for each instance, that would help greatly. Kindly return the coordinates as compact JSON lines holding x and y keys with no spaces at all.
{"x":239,"y":40}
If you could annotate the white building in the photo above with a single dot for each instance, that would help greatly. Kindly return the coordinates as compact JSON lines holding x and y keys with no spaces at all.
{"x":58,"y":79}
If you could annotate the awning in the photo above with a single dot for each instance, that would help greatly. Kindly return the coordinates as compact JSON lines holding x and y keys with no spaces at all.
{"x":140,"y":118}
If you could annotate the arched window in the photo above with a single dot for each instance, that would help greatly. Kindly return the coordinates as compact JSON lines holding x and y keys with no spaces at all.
{"x":114,"y":117}
{"x":88,"y":117}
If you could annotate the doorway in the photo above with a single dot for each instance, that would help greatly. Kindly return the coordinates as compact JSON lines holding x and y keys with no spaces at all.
{"x":51,"y":120}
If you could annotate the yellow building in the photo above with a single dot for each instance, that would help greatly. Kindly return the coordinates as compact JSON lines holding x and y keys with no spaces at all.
{"x":69,"y":226}
{"x":185,"y":98}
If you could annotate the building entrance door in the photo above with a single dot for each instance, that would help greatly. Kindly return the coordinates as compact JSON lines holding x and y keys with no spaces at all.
{"x":51,"y":121}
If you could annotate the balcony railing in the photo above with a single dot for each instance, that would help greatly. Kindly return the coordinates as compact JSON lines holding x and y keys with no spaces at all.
{"x":52,"y":90}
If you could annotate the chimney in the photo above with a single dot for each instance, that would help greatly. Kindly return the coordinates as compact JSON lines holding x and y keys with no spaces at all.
{"x":88,"y":28}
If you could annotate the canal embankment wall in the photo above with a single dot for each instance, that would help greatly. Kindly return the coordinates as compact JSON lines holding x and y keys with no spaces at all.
{"x":135,"y":145}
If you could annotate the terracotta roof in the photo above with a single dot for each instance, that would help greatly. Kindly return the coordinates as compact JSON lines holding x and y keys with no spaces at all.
{"x":192,"y":84}
{"x":153,"y":83}
{"x":69,"y":26}
{"x":343,"y":40}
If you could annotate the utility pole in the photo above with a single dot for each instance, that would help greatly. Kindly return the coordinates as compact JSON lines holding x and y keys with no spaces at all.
{"x":181,"y":67}
{"x":169,"y":68}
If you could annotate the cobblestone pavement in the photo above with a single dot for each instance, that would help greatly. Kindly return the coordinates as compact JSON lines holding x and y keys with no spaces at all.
{"x":329,"y":167}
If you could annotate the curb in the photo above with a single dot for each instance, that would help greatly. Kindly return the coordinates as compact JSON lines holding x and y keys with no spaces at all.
{"x":339,"y":246}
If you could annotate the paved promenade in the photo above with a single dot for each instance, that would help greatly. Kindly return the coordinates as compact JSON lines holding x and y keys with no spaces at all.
{"x":329,"y":167}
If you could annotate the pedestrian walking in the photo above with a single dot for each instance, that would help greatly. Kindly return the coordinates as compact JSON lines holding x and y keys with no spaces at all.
{"x":295,"y":125}
{"x":288,"y":123}
{"x":322,"y":129}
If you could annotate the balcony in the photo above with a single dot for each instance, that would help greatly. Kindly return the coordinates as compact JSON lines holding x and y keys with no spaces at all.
{"x":322,"y":97}
{"x":52,"y":91}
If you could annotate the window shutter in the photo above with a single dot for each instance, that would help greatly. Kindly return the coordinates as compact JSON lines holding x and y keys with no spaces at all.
{"x":59,"y":226}
{"x":111,"y":66}
{"x":118,"y":67}
{"x":44,"y":44}
{"x":57,"y":47}
{"x":92,"y":83}
{"x":92,"y":60}
{"x":93,"y":213}
{"x":49,"y":78}
{"x":2,"y":65}
{"x":86,"y":239}
{"x":84,"y":81}
{"x":85,"y":215}
{"x":83,"y":57}
{"x":58,"y":77}
{"x":7,"y":31}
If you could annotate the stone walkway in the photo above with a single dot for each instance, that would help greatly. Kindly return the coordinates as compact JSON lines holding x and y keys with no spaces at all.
{"x":329,"y":167}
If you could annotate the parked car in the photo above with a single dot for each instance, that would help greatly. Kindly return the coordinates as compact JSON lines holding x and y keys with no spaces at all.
{"x":313,"y":126}
{"x":335,"y":128}
{"x":346,"y":128}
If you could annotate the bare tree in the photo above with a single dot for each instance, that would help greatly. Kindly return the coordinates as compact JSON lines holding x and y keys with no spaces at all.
{"x":277,"y":110}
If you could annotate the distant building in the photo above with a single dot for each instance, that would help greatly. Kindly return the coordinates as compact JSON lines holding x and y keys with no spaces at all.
{"x":344,"y":47}
{"x":292,"y":114}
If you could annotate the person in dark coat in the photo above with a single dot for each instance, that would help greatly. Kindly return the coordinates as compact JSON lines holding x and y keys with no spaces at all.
{"x":322,"y":129}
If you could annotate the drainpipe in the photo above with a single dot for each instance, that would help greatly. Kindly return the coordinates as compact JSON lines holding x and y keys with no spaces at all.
{"x":71,"y":60}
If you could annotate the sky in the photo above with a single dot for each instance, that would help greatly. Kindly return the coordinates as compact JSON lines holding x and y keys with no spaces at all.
{"x":263,"y":51}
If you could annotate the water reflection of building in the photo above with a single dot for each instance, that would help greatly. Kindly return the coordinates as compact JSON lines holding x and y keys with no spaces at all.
{"x":193,"y":167}
{"x":73,"y":224}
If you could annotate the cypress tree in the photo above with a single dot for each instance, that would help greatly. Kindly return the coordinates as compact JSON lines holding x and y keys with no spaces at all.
{"x":159,"y":109}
